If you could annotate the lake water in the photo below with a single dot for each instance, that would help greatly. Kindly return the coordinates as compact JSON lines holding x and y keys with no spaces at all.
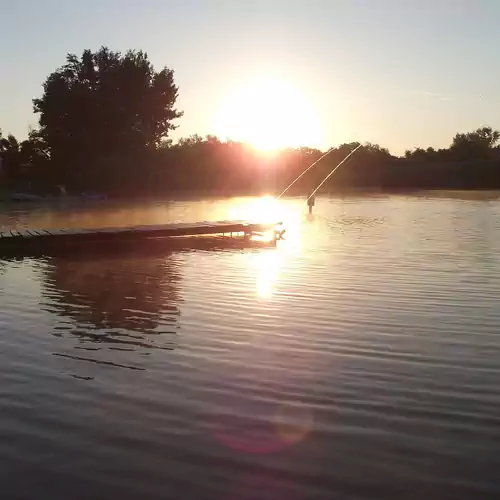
{"x":359,"y":359}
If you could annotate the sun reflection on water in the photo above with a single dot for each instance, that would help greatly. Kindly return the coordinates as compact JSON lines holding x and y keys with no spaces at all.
{"x":268,"y":264}
{"x":264,"y":209}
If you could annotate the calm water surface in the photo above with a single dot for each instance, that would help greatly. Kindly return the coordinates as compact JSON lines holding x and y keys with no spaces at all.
{"x":360,"y":359}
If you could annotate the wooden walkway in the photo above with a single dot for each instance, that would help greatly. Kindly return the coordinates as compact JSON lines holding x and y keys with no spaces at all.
{"x":20,"y":239}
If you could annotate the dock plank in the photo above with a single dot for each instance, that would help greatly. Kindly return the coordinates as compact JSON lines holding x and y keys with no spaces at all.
{"x":46,"y":238}
{"x":76,"y":232}
{"x":38,"y":232}
{"x":56,"y":232}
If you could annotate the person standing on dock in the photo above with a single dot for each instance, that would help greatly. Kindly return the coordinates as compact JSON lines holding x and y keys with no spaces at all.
{"x":310,"y":201}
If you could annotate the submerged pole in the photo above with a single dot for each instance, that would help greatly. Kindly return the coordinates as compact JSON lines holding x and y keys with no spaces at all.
{"x":310,"y":201}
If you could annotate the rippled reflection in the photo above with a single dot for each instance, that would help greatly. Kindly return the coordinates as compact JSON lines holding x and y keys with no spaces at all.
{"x":348,"y":361}
{"x":264,"y":485}
{"x":124,"y":300}
{"x":267,"y":264}
{"x":263,"y":427}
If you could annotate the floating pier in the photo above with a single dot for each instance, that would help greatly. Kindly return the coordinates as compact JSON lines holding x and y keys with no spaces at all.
{"x":20,"y":240}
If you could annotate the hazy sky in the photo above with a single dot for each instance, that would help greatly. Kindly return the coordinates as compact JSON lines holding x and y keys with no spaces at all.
{"x":400,"y":73}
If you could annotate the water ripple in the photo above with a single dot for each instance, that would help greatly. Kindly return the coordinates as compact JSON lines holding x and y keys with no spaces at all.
{"x":358,"y":359}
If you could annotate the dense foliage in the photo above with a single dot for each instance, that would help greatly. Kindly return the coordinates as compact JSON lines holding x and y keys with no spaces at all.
{"x":104,"y":123}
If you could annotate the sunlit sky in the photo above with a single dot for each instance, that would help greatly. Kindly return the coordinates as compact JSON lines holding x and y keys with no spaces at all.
{"x":401,"y":73}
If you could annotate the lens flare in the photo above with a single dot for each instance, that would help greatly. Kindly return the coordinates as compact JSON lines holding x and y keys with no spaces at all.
{"x":261,"y":428}
{"x":293,"y":422}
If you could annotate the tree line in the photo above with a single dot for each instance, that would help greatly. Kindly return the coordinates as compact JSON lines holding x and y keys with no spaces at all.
{"x":104,"y":121}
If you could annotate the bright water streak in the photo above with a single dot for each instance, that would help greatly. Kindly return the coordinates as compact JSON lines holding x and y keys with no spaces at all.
{"x":359,"y":359}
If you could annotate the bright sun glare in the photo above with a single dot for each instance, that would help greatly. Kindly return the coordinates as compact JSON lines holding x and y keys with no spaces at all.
{"x":269,"y":114}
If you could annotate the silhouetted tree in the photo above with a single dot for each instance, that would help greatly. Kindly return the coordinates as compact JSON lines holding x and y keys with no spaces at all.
{"x":475,"y":145}
{"x":103,"y":105}
{"x":105,"y":120}
{"x":20,"y":159}
{"x":192,"y":140}
{"x":10,"y":151}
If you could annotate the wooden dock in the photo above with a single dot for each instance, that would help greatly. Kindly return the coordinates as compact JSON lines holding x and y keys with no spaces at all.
{"x":41,"y":239}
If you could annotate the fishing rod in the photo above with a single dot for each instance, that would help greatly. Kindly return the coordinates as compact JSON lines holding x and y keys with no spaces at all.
{"x":280,"y":233}
{"x":306,"y":170}
{"x":333,"y":171}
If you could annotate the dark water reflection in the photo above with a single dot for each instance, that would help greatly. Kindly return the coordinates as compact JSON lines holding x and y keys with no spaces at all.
{"x":358,"y":359}
{"x":109,"y":293}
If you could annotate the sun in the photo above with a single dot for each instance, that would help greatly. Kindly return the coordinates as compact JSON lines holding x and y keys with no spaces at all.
{"x":268,"y":114}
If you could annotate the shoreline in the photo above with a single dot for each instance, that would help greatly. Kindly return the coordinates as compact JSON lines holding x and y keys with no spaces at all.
{"x":207,"y":195}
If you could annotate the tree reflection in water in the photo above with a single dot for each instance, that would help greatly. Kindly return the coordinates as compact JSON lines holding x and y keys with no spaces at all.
{"x":127,"y":300}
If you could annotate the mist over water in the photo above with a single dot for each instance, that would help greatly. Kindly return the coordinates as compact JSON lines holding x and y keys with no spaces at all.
{"x":357,"y":359}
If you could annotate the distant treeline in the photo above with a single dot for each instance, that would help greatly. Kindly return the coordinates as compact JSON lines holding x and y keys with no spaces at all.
{"x":104,"y":124}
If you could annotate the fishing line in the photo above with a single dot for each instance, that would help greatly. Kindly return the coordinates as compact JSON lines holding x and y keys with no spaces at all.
{"x":323,"y":181}
{"x":306,"y":170}
{"x":333,"y":171}
{"x":313,"y":164}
